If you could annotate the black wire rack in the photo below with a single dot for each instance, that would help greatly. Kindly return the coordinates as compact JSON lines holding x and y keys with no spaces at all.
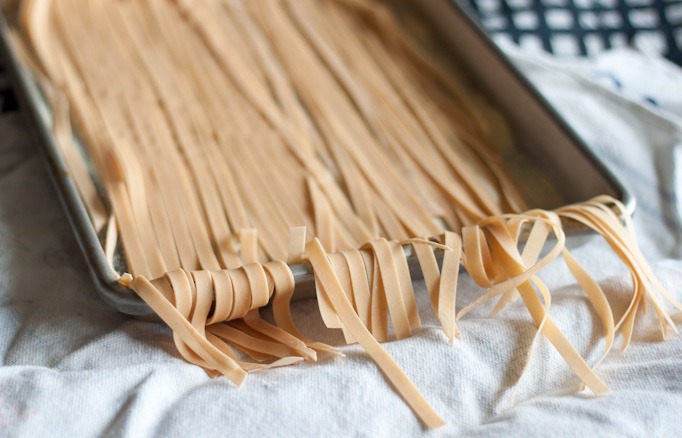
{"x":584,"y":27}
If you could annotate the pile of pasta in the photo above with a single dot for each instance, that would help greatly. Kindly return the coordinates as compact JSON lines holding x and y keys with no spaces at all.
{"x":234,"y":138}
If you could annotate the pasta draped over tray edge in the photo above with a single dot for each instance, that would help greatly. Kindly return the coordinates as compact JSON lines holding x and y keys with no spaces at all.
{"x":359,"y":290}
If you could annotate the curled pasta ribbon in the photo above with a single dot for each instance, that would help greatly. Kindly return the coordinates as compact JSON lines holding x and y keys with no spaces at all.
{"x":359,"y":290}
{"x":493,"y":259}
{"x":596,"y":215}
{"x":491,"y":253}
{"x":214,"y":313}
{"x":336,"y":294}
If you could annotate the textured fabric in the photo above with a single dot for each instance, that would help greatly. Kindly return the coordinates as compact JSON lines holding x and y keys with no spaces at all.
{"x":73,"y":367}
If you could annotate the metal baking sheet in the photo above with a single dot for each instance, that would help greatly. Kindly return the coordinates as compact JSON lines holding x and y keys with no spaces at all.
{"x":545,"y":140}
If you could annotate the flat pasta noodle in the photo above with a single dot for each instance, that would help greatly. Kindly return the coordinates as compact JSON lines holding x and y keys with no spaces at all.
{"x":324,"y":271}
{"x":234,"y":139}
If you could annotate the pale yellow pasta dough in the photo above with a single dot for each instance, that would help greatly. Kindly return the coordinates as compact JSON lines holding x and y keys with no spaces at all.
{"x":232,"y":137}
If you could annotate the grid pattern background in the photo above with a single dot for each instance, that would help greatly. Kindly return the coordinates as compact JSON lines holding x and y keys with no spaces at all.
{"x":584,"y":27}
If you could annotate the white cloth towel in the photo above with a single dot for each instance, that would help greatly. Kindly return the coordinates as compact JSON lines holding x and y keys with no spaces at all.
{"x":71,"y":366}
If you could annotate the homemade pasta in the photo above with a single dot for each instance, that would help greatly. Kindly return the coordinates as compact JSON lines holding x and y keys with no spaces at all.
{"x":232,"y":137}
